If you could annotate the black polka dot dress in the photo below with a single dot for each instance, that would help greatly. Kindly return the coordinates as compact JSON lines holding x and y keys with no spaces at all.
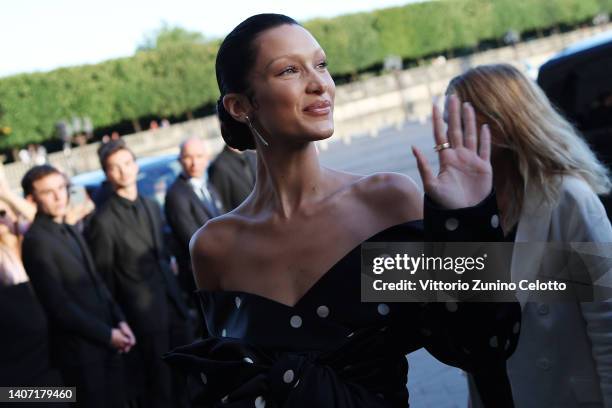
{"x":332,"y":350}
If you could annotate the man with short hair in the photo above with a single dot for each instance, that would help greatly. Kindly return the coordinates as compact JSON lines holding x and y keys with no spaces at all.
{"x":125,"y":235}
{"x":87,"y":329}
{"x":190,"y":201}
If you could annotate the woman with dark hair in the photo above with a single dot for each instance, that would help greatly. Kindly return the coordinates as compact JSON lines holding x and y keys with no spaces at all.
{"x":279,"y":276}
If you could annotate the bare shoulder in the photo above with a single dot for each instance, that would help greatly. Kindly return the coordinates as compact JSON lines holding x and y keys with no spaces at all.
{"x":394,"y":194}
{"x":210,"y":248}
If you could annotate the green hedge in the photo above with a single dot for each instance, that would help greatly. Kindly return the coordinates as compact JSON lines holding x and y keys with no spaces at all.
{"x":173,"y":80}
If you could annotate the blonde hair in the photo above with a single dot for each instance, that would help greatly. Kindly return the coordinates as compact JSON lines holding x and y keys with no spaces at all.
{"x":540,"y":142}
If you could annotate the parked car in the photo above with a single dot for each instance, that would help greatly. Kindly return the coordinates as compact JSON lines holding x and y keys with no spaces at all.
{"x":578,"y":81}
{"x":155,"y":176}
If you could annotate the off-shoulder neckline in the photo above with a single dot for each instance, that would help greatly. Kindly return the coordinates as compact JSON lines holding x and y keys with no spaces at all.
{"x":316,"y":284}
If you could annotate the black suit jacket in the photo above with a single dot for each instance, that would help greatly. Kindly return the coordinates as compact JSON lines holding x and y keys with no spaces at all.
{"x":227,"y":173}
{"x":135,"y":268}
{"x":80,"y":308}
{"x":185,"y":214}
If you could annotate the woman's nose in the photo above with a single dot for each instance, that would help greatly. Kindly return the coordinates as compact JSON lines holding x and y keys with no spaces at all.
{"x":317,"y":83}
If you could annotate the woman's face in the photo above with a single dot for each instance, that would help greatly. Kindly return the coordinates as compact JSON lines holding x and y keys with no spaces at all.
{"x":293,"y":91}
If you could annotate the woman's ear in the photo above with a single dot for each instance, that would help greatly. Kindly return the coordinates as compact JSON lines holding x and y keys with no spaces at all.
{"x":237,"y":105}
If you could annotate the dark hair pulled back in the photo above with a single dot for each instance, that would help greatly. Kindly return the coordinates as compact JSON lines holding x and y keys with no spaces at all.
{"x":235,"y":59}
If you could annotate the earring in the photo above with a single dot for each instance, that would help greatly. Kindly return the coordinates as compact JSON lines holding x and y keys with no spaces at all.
{"x":256,"y":132}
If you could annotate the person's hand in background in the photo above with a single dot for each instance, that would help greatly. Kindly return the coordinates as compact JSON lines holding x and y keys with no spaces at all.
{"x":120,"y":341}
{"x":127,"y":331}
{"x":76,"y":212}
{"x":20,"y":205}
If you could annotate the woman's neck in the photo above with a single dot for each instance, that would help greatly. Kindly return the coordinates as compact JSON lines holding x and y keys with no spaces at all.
{"x":288,"y":180}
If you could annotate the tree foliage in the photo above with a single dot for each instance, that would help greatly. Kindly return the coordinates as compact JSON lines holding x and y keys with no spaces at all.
{"x":173,"y":71}
{"x":168,"y":36}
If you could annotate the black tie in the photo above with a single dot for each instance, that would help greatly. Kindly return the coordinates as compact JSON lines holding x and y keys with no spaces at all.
{"x":209,"y":204}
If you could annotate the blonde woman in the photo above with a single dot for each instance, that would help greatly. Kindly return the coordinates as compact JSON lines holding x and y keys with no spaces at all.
{"x":547,"y":180}
{"x":15,"y":216}
{"x":24,"y":343}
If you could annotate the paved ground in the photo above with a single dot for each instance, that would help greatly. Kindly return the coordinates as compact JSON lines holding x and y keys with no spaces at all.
{"x":387,"y":151}
{"x":431,"y":384}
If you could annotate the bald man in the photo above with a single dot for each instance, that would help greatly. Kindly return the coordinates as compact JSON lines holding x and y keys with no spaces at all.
{"x":190,"y":201}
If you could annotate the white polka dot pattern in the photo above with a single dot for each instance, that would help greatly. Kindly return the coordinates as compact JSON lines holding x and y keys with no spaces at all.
{"x":493,"y":342}
{"x":452,"y":306}
{"x":288,"y":376}
{"x":495,"y":221}
{"x":260,"y":402}
{"x":323,"y":311}
{"x":295,"y":321}
{"x":383,"y":309}
{"x":451,"y":224}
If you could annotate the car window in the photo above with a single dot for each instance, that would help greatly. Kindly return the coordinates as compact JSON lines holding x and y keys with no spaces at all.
{"x":155,"y":178}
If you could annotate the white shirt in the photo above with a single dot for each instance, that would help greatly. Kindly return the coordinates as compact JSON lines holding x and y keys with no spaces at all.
{"x":199,"y":185}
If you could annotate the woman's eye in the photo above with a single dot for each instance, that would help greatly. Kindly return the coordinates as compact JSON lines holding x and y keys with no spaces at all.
{"x":289,"y":70}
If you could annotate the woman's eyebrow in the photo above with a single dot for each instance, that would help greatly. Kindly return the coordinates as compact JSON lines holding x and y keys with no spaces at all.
{"x":317,"y":51}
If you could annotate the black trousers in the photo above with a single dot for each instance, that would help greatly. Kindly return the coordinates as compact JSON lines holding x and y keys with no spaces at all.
{"x":152,"y":382}
{"x":182,"y":331}
{"x":99,"y":384}
{"x":148,"y":377}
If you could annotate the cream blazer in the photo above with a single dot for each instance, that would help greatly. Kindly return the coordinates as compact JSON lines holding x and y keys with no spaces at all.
{"x":564,"y":353}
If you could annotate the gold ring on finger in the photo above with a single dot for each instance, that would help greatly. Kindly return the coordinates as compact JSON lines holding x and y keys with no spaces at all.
{"x":442,"y":146}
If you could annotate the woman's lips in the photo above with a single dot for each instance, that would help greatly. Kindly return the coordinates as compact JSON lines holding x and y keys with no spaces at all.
{"x":320,"y":108}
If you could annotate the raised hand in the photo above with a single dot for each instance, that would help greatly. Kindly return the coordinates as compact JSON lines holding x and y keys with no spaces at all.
{"x":465,"y":176}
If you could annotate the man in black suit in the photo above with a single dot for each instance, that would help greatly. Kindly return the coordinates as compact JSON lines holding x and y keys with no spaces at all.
{"x":190,"y":201}
{"x":125,"y":235}
{"x":233,"y":175}
{"x":87,"y":328}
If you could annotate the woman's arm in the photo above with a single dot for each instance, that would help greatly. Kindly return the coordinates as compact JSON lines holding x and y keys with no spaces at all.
{"x":22,"y":206}
{"x":477,"y":337}
{"x":459,"y":206}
